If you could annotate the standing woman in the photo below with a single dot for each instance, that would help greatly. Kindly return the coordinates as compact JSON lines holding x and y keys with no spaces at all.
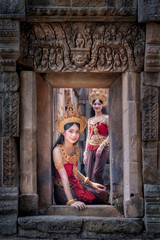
{"x":70,"y":186}
{"x":97,"y":142}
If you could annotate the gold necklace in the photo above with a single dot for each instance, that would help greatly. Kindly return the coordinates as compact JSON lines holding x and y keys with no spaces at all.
{"x":99,"y":119}
{"x":66,"y":157}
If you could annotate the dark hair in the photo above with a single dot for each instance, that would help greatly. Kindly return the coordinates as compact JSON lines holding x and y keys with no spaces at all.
{"x":60,"y":141}
{"x":92,"y":112}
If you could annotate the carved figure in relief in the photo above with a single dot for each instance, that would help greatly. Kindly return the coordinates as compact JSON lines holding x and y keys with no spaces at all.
{"x":117,"y":62}
{"x":37,"y":58}
{"x":44,"y":61}
{"x":123,"y":56}
{"x":70,"y":186}
{"x":96,"y":150}
{"x":80,"y":41}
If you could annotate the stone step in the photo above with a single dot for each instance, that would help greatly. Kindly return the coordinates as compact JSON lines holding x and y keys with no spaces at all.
{"x":91,"y":210}
{"x":78,"y":227}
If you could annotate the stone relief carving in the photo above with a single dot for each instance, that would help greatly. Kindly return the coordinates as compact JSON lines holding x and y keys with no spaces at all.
{"x":9,"y":82}
{"x":9,"y":44}
{"x":150,"y":116}
{"x":82,"y":47}
{"x":10,"y":114}
{"x":9,"y":162}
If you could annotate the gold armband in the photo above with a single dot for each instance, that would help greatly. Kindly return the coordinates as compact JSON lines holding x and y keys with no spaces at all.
{"x":86,"y":180}
{"x":69,"y":203}
{"x":104,"y":144}
{"x":85,"y":154}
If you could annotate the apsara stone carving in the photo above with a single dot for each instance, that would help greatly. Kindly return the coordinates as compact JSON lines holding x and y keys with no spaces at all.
{"x":82,"y":47}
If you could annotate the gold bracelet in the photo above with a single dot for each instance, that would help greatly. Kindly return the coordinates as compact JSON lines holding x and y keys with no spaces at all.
{"x":104,"y":144}
{"x":85,"y":154}
{"x":86,"y":180}
{"x":69,"y":203}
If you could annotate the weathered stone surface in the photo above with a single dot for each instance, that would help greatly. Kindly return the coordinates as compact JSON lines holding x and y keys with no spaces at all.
{"x":116,"y":145}
{"x":91,"y":10}
{"x":9,"y":82}
{"x":77,"y":227}
{"x":133,"y":201}
{"x":8,"y":210}
{"x":28,"y":144}
{"x":12,"y":8}
{"x":152,"y":59}
{"x":91,"y":210}
{"x":44,"y":141}
{"x":134,"y":207}
{"x":8,"y":225}
{"x":82,"y":47}
{"x":9,"y":44}
{"x":9,"y":114}
{"x":53,"y":3}
{"x":150,"y":79}
{"x":151,"y":191}
{"x":150,"y":113}
{"x":8,"y":162}
{"x":148,"y":10}
{"x":151,"y":168}
{"x":106,"y":225}
{"x":28,"y":204}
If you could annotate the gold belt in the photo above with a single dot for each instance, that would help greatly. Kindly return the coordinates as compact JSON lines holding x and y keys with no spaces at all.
{"x":95,"y":142}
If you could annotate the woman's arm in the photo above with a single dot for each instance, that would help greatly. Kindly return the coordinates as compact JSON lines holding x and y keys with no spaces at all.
{"x":105,"y":143}
{"x":86,"y":180}
{"x":58,"y":161}
{"x":57,"y":158}
{"x":86,"y":147}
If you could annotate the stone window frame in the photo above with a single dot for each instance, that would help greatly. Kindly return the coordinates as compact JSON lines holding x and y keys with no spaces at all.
{"x":129,"y":198}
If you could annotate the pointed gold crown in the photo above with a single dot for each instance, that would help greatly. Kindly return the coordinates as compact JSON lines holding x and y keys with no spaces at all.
{"x":70,"y":114}
{"x":98,"y":93}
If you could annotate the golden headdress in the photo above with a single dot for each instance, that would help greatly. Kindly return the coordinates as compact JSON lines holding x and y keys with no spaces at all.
{"x":70,"y":114}
{"x":98,"y":93}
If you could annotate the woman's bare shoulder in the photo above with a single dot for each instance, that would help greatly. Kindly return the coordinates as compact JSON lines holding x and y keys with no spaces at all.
{"x":56,"y":151}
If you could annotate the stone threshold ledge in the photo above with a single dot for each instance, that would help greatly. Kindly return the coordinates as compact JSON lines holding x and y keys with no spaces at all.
{"x":91,"y":210}
{"x":74,"y":227}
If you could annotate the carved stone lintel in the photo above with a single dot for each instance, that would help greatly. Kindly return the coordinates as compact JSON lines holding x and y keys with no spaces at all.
{"x":150,"y":113}
{"x":9,"y":82}
{"x":10,"y":114}
{"x":82,"y":47}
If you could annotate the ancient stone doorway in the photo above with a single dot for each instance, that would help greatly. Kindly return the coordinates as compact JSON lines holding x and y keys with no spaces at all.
{"x":120,"y":158}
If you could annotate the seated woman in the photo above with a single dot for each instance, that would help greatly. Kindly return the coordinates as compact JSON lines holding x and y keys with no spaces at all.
{"x":70,"y":186}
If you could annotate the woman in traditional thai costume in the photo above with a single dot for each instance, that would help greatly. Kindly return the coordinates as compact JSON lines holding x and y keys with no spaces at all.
{"x":70,"y":186}
{"x":97,"y":142}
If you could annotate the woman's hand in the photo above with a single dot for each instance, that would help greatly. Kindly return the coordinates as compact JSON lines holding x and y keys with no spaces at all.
{"x":85,"y":160}
{"x":98,"y":186}
{"x":99,"y":151}
{"x":79,"y":205}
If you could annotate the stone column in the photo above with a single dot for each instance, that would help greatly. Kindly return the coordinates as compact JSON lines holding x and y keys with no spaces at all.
{"x":28,"y":144}
{"x":116,"y":146}
{"x":133,"y":200}
{"x":44,"y":141}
